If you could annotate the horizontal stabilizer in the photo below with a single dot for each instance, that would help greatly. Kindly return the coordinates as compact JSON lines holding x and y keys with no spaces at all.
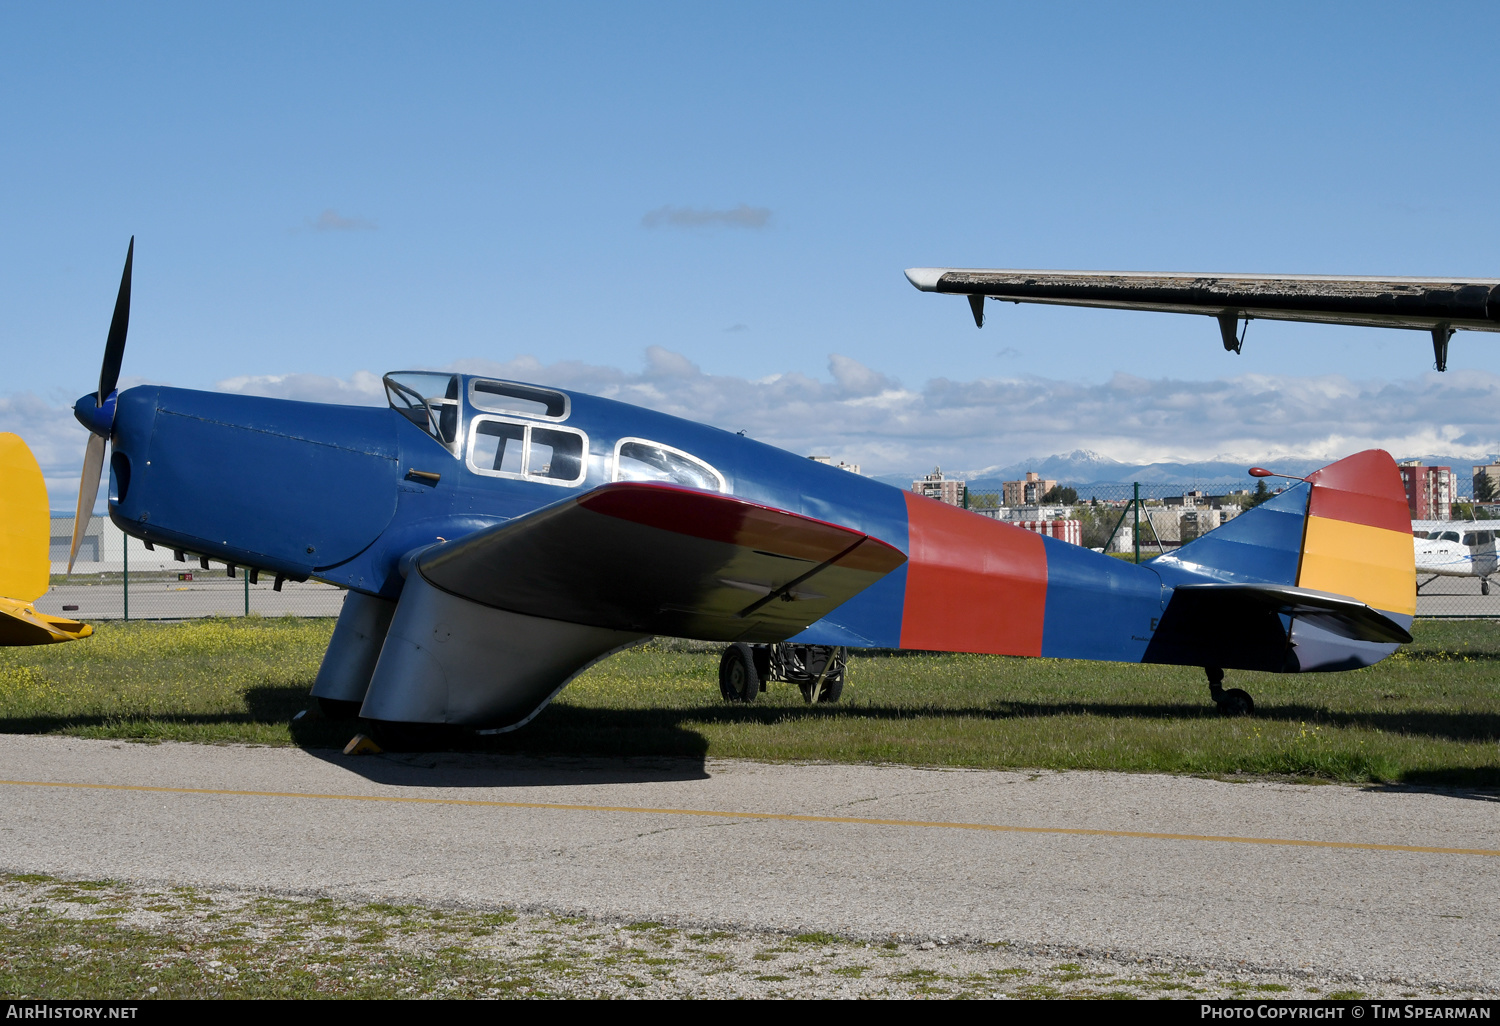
{"x":1345,"y":617}
{"x":658,"y":559}
{"x":21,"y":624}
{"x":1471,"y":303}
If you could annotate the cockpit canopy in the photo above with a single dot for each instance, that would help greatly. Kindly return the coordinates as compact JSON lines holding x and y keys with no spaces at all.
{"x":505,"y":432}
{"x":429,"y":400}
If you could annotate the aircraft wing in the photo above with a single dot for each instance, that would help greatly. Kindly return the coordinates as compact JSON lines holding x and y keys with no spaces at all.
{"x":658,"y":559}
{"x":1426,"y":303}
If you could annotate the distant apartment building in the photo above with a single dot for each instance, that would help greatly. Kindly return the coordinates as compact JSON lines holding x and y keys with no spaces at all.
{"x":1070,"y":531}
{"x":1430,"y":491}
{"x":1027,"y":492}
{"x":853,"y":468}
{"x":943,"y":489}
{"x":1490,"y":474}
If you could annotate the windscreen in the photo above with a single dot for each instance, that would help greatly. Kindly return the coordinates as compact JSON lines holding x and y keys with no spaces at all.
{"x":427,"y":399}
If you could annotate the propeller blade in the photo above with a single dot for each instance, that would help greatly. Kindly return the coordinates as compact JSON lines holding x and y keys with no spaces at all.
{"x":88,"y":491}
{"x":114,"y":346}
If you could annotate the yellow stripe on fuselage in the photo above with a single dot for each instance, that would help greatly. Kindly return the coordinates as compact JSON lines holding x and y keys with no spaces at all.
{"x":1371,"y":564}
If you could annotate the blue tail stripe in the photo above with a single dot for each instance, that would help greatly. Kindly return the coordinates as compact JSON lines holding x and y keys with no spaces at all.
{"x":1260,"y":546}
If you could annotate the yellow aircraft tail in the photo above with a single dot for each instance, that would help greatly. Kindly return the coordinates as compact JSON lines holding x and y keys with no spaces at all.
{"x":24,"y":568}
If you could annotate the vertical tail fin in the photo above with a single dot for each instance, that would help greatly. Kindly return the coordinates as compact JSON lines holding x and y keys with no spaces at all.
{"x":1346,"y":530}
{"x":1358,"y":540}
{"x":25,"y":531}
{"x":1243,"y":596}
{"x":25,"y":523}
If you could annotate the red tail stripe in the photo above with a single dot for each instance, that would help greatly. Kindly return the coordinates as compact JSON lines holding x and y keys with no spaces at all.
{"x":1360,"y":508}
{"x":1361,"y":489}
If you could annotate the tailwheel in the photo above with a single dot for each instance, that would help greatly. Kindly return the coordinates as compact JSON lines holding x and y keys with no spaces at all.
{"x":738,"y":679}
{"x":1231,"y":701}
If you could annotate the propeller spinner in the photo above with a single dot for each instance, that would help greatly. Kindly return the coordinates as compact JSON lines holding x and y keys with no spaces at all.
{"x":96,"y":411}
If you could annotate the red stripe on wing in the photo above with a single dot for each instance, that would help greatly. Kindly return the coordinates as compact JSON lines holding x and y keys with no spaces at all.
{"x":724,"y":518}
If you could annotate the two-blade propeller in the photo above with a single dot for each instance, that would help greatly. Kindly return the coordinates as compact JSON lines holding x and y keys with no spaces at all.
{"x":96,"y":411}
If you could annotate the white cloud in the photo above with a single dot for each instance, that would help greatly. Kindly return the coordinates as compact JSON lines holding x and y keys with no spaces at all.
{"x":742,"y":216}
{"x":362,"y":389}
{"x":861,"y":415}
{"x":331,"y":220}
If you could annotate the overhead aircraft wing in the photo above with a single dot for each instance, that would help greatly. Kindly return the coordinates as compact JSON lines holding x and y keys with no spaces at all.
{"x":1440,"y":305}
{"x":658,"y":559}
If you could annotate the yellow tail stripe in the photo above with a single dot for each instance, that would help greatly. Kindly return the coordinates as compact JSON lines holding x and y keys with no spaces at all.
{"x":1371,"y":564}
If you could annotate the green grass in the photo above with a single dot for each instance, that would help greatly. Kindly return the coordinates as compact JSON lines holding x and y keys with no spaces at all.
{"x":1429,"y":715}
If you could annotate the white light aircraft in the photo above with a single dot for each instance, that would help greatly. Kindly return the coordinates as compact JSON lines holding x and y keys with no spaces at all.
{"x":1455,"y":548}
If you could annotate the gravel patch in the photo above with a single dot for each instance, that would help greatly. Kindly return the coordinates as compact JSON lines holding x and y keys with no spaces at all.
{"x":107,"y":939}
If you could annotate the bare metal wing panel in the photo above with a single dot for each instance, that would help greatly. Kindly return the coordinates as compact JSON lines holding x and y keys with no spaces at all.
{"x":1426,"y":303}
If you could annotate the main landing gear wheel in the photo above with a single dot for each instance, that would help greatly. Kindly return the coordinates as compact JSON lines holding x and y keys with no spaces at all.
{"x":1484,"y":586}
{"x":338,"y":710}
{"x":1231,"y":701}
{"x":416,"y":737}
{"x":738,"y":679}
{"x":828,"y":685}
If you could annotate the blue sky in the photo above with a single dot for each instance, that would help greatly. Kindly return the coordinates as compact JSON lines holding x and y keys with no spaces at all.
{"x":708,"y":208}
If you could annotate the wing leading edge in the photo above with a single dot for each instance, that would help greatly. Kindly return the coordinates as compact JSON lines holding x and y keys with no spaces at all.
{"x":657,"y":559}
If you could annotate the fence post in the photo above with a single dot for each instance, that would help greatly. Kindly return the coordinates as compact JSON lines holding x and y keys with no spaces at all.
{"x":1136,"y":502}
{"x":125,"y":563}
{"x":245,"y":573}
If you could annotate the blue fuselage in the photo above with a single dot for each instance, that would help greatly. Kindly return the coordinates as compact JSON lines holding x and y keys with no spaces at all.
{"x":319,"y":490}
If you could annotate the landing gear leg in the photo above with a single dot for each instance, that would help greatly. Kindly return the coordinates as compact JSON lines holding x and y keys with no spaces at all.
{"x":1231,"y":701}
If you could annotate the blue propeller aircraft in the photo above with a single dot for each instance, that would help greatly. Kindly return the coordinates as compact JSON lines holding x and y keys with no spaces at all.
{"x":497,"y":537}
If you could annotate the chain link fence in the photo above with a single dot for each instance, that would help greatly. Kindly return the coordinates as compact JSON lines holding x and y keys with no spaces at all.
{"x":1139,"y":521}
{"x":116,"y":578}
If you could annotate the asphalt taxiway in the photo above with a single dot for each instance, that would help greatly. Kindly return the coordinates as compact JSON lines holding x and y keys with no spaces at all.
{"x":1384,"y":883}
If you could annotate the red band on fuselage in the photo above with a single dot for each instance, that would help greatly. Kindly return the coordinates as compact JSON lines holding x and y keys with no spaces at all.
{"x":972,"y":583}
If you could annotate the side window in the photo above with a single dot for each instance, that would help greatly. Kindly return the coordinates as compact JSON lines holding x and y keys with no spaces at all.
{"x":639,"y":460}
{"x":504,"y":448}
{"x":556,"y":455}
{"x":497,"y":445}
{"x":523,"y":400}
